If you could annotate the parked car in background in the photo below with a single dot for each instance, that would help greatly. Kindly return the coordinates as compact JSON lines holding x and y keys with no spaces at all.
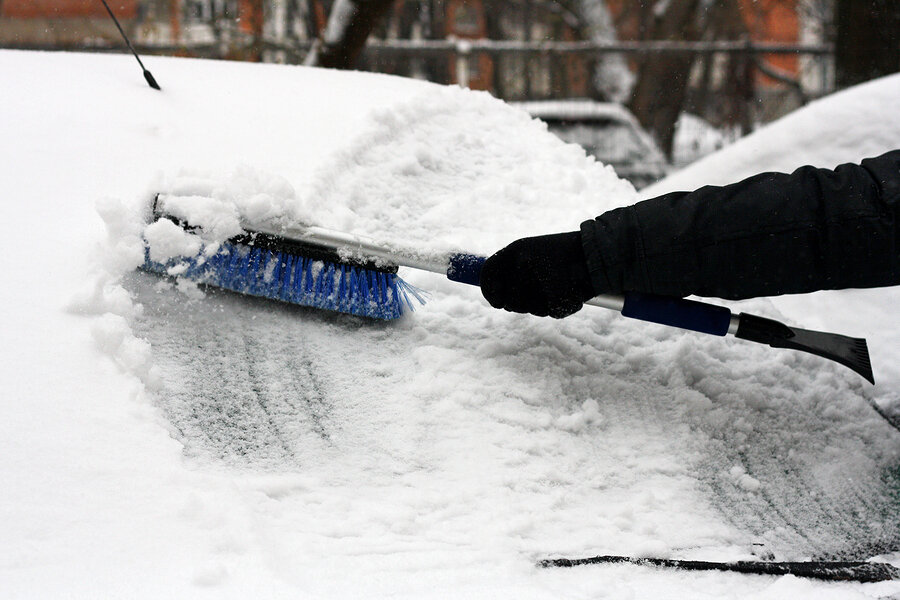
{"x":608,"y":132}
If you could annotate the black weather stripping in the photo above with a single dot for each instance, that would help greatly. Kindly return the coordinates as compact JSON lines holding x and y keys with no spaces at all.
{"x":864,"y":572}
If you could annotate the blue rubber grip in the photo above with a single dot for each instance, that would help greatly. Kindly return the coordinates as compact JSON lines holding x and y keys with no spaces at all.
{"x":466,"y":268}
{"x":676,"y":312}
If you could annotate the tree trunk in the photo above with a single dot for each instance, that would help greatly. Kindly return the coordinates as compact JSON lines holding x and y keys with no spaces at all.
{"x":868,"y":40}
{"x":349,"y":25}
{"x":252,"y":20}
{"x":720,"y":103}
{"x":175,"y":20}
{"x":662,"y":79}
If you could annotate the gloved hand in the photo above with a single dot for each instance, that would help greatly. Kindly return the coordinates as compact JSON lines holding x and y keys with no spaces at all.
{"x":545,"y":276}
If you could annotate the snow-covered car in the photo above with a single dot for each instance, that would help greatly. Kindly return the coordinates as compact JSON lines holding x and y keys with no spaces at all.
{"x":163,"y":440}
{"x":607,"y":131}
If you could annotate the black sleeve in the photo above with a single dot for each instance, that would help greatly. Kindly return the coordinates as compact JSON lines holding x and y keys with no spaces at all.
{"x":767,"y":235}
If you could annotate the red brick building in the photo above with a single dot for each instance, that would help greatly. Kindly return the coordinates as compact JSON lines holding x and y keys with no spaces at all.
{"x":42,"y":23}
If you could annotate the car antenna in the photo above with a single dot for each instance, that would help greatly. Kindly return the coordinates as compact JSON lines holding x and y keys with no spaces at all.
{"x":147,"y":74}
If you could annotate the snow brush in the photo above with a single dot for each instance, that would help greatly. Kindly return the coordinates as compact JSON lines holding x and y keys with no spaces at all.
{"x":321,"y":268}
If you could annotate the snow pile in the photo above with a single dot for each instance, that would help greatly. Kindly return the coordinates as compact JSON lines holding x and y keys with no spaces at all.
{"x":262,"y":449}
{"x":460,"y":168}
{"x":167,"y":240}
{"x":450,"y":169}
{"x":219,"y":204}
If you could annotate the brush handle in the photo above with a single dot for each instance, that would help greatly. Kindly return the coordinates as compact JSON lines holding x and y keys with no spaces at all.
{"x":674,"y":312}
{"x":677,"y":312}
{"x":465,"y":268}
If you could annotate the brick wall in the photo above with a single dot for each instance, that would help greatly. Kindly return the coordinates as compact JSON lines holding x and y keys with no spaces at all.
{"x":37,"y":9}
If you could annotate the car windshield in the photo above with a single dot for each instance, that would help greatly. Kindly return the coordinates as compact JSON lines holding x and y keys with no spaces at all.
{"x":610,"y":141}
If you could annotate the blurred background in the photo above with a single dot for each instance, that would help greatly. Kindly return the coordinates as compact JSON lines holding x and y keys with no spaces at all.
{"x":645,"y":85}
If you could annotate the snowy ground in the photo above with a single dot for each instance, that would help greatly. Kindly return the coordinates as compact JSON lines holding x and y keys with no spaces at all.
{"x":162,"y":442}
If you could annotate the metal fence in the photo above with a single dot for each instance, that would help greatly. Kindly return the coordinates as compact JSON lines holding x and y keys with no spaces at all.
{"x":762,"y":93}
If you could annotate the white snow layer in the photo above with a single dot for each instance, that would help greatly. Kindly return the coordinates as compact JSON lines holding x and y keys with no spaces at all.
{"x":181,"y":444}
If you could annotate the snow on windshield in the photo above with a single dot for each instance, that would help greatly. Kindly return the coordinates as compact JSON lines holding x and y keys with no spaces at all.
{"x":188,"y":439}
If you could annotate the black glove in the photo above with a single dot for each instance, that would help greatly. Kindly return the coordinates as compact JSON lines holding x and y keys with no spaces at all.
{"x":545,"y":276}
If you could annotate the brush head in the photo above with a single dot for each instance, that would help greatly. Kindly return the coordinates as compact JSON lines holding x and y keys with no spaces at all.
{"x":297,"y":272}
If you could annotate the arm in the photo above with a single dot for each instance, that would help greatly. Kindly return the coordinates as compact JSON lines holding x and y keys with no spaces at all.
{"x":767,"y":235}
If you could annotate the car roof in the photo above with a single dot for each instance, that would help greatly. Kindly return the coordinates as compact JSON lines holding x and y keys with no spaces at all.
{"x":591,"y":110}
{"x":575,"y":109}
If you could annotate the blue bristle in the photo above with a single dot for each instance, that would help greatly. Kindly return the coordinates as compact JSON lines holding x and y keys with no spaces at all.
{"x":298,"y":280}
